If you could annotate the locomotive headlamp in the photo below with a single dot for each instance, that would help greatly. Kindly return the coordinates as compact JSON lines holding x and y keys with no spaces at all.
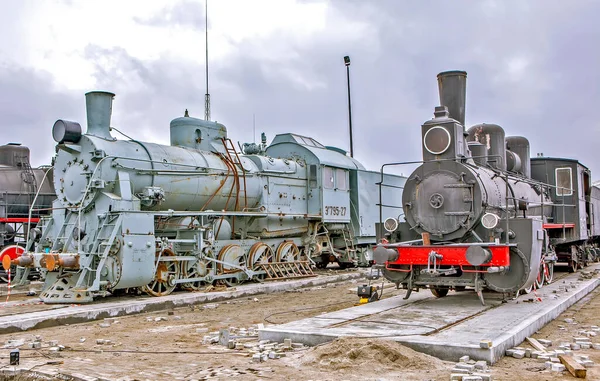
{"x":66,"y":131}
{"x":390,"y":224}
{"x":489,"y":220}
{"x":437,"y":140}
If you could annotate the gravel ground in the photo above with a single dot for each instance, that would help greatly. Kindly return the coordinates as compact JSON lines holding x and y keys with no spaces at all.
{"x":179,"y":345}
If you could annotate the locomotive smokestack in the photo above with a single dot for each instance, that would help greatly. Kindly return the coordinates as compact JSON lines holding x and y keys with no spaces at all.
{"x":453,"y":91}
{"x":99,"y":109}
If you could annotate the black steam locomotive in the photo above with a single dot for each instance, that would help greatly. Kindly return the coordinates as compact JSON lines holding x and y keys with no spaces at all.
{"x":19,"y":185}
{"x":480,"y":213}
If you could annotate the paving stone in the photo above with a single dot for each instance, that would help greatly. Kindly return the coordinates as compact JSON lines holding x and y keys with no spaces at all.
{"x":273,"y":355}
{"x":35,"y":345}
{"x":546,"y":343}
{"x":239,"y":346}
{"x":581,"y":339}
{"x":464,"y":359}
{"x":518,"y":354}
{"x":528,"y":352}
{"x":468,"y":367}
{"x":588,"y":363}
{"x":459,"y":371}
{"x":256,"y":358}
{"x":554,"y":359}
{"x":472,"y":378}
{"x":509,"y":352}
{"x":485,"y":344}
{"x":223,"y":337}
{"x":557,"y":367}
{"x":481,"y":365}
{"x":575,"y":347}
{"x":456,"y":377}
{"x":484,"y":377}
{"x":596,"y":346}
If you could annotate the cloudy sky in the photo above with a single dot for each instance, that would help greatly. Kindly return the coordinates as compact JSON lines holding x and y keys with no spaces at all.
{"x":533,"y":67}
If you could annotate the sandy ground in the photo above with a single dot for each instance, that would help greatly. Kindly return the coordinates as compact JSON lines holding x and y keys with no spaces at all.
{"x":169,"y":345}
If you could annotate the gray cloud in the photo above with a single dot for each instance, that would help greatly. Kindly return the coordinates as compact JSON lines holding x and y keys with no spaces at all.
{"x":30,"y":105}
{"x":532,"y":69}
{"x":184,"y":13}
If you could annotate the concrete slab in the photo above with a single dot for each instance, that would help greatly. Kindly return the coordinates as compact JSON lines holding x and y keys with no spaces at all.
{"x":448,"y":327}
{"x":58,"y":314}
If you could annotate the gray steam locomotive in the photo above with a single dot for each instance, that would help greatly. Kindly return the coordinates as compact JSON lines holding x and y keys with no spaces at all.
{"x":480,"y":213}
{"x":132,"y":215}
{"x":19,"y":185}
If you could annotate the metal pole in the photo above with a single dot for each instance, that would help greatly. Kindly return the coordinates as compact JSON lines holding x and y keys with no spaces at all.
{"x":347,"y":63}
{"x":207,"y":95}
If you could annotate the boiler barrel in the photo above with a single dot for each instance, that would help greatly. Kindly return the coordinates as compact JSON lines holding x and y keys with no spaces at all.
{"x":190,"y":179}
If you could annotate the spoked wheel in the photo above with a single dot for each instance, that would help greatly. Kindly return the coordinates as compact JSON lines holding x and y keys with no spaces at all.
{"x":233,"y":256}
{"x":539,"y":281}
{"x":528,"y":289}
{"x":548,"y":272}
{"x":287,"y":252}
{"x":573,"y":265}
{"x":194,"y":269}
{"x":260,"y":253}
{"x":167,"y":272}
{"x":6,"y":255}
{"x":233,"y":281}
{"x":439,"y":291}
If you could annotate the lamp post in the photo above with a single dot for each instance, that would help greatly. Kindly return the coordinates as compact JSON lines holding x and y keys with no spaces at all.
{"x":347,"y":63}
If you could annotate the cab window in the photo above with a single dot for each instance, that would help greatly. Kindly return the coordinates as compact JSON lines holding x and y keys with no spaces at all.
{"x":340,"y":179}
{"x":564,"y":182}
{"x":328,"y":178}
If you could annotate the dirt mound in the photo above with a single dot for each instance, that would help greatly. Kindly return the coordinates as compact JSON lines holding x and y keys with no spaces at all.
{"x":350,"y":352}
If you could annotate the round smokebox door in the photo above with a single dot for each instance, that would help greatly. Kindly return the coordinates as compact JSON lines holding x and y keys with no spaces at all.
{"x":441,"y":203}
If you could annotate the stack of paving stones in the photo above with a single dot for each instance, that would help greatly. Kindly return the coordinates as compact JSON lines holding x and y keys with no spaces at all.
{"x":550,"y":357}
{"x":245,"y":339}
{"x":470,"y":370}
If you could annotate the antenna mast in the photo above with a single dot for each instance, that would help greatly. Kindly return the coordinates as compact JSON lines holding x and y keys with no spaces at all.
{"x":207,"y":95}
